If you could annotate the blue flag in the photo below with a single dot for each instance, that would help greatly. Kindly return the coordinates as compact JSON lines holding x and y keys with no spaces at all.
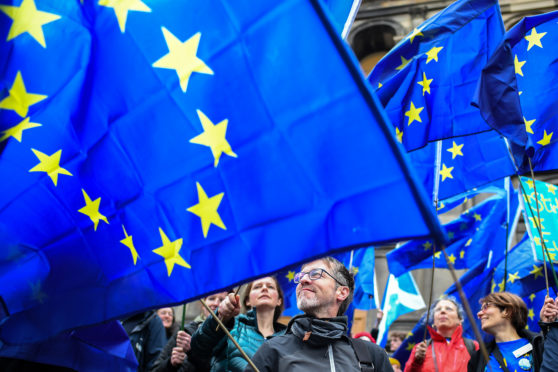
{"x":343,"y":13}
{"x":102,"y":347}
{"x":360,"y":262}
{"x":477,"y":235}
{"x":464,"y":163}
{"x":154,"y":154}
{"x":518,"y":89}
{"x":427,"y":81}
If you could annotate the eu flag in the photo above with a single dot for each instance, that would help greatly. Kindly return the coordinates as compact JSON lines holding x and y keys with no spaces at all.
{"x":154,"y":152}
{"x":427,"y":81}
{"x":518,"y":89}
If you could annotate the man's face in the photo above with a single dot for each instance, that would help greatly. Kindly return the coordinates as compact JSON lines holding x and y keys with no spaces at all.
{"x":317,"y":297}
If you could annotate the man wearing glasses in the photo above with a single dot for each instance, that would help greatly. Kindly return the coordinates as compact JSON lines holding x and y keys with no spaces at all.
{"x":317,"y":340}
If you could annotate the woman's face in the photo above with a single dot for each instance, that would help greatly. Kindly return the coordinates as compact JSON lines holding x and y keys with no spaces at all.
{"x":166,"y":316}
{"x":491,"y":317}
{"x":446,"y":316}
{"x":213,"y":302}
{"x":264,"y":293}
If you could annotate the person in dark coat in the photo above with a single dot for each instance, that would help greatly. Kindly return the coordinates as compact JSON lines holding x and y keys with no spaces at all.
{"x":317,"y":340}
{"x":176,"y":356}
{"x":549,"y":326}
{"x":504,"y":316}
{"x":147,"y":336}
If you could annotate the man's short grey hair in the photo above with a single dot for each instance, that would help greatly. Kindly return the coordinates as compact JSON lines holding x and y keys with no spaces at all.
{"x":342,"y":274}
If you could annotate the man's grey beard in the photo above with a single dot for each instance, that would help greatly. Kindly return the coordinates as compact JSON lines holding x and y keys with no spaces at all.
{"x":307,"y":305}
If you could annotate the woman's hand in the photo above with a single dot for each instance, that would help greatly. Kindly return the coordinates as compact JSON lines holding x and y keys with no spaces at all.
{"x":420,"y":351}
{"x":229,"y":307}
{"x":549,"y":311}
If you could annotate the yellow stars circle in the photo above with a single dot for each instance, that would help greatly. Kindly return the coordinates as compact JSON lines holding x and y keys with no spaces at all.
{"x":170,"y":251}
{"x":534,"y":39}
{"x":425,"y":84}
{"x":416,"y":32}
{"x":19,"y":99}
{"x":50,"y":164}
{"x":451,"y":258}
{"x":513,"y":277}
{"x":128,"y":242}
{"x":17,"y":130}
{"x":290,"y":276}
{"x":26,"y":18}
{"x":206,"y":210}
{"x":446,"y":172}
{"x":537,"y":271}
{"x":456,"y":150}
{"x":528,"y":124}
{"x":518,"y":65}
{"x":414,"y":114}
{"x":182,"y":58}
{"x":213,"y":136}
{"x":122,"y":7}
{"x":546,"y":139}
{"x":477,"y":217}
{"x":91,"y":210}
{"x":404,"y":62}
{"x":432,"y":54}
{"x":399,"y":135}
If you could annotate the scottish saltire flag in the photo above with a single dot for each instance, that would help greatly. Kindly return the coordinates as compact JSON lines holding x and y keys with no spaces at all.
{"x":154,"y":153}
{"x":518,"y":89}
{"x":401,"y":296}
{"x":545,"y":218}
{"x":343,"y":13}
{"x":427,"y":81}
{"x":360,"y":263}
{"x":464,"y":163}
{"x":477,"y":235}
{"x":102,"y":347}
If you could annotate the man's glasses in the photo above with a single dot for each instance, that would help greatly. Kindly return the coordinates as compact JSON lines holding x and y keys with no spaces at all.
{"x":315,"y":274}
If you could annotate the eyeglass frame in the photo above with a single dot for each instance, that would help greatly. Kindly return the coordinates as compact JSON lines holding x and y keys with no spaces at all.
{"x":486,"y":305}
{"x":297,"y":280}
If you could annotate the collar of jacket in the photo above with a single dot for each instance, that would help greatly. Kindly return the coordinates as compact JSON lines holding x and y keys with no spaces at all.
{"x":456,"y":335}
{"x":251,"y":319}
{"x":318,"y":331}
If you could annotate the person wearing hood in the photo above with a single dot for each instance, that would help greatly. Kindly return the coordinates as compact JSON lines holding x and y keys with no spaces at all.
{"x":318,"y":340}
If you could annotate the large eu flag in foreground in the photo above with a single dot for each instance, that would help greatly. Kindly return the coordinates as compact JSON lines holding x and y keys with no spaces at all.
{"x":154,"y":152}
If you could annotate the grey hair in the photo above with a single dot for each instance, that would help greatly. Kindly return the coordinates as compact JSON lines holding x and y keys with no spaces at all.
{"x":453,"y":300}
{"x":342,"y":274}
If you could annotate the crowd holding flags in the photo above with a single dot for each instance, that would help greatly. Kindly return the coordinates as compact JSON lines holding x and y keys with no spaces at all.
{"x":160,"y":152}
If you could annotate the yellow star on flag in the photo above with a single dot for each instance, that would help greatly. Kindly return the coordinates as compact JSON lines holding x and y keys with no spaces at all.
{"x":182,"y":58}
{"x":451,"y":258}
{"x":427,"y":245}
{"x":26,"y":18}
{"x":404,"y":62}
{"x":442,"y":206}
{"x":518,"y":65}
{"x":128,"y":242}
{"x":463,"y":226}
{"x":546,"y":139}
{"x":37,"y":292}
{"x":425,"y":84}
{"x":551,"y":188}
{"x":19,"y":100}
{"x":380,"y":85}
{"x":170,"y":251}
{"x":532,"y":297}
{"x":477,"y":217}
{"x":433,"y":54}
{"x":456,"y":150}
{"x":528,"y":124}
{"x":493,"y":287}
{"x":50,"y":164}
{"x":213,"y":136}
{"x":91,"y":210}
{"x":446,"y":172}
{"x":534,"y":39}
{"x":513,"y":277}
{"x":451,"y":234}
{"x":469,"y":242}
{"x":501,"y":285}
{"x":437,"y":254}
{"x":414,"y":114}
{"x":531,"y":314}
{"x":17,"y":130}
{"x":206,"y":210}
{"x":290,"y":276}
{"x":399,"y":135}
{"x":416,"y":32}
{"x":537,"y":271}
{"x":122,"y":7}
{"x":462,"y":254}
{"x":410,"y":346}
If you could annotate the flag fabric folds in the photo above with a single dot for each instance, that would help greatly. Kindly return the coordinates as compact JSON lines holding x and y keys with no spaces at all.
{"x":400,"y":297}
{"x":427,"y":81}
{"x":518,"y":89}
{"x":152,"y":154}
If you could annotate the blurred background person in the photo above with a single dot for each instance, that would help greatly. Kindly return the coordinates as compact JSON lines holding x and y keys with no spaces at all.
{"x":147,"y":336}
{"x":447,"y":350}
{"x":504,"y":316}
{"x":265,"y":300}
{"x":169,"y":322}
{"x":365,"y":336}
{"x":175,"y":355}
{"x":395,"y":364}
{"x":395,"y":339}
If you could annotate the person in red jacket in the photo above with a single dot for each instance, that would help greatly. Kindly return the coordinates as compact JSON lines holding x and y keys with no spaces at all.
{"x":447,"y":351}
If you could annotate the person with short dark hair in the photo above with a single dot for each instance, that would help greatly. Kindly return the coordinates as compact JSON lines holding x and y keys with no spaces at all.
{"x":147,"y":336}
{"x":447,"y":350}
{"x":395,"y":339}
{"x":504,"y":315}
{"x":317,"y":340}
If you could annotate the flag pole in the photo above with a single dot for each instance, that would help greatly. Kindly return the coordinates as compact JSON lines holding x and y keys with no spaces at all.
{"x":507,"y":187}
{"x":183,"y":316}
{"x":224,"y":328}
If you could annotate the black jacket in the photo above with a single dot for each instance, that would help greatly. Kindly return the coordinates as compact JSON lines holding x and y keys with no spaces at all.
{"x":312,"y":344}
{"x":478,"y":363}
{"x":147,"y":336}
{"x":550,"y":355}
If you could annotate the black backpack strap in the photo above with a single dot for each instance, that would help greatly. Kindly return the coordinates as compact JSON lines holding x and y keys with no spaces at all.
{"x":470,"y":345}
{"x":363,"y":354}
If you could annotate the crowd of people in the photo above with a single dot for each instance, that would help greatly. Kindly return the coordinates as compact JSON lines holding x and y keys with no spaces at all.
{"x":318,"y":339}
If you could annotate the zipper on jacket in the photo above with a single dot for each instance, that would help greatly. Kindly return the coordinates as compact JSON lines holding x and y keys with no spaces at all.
{"x":331,"y":361}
